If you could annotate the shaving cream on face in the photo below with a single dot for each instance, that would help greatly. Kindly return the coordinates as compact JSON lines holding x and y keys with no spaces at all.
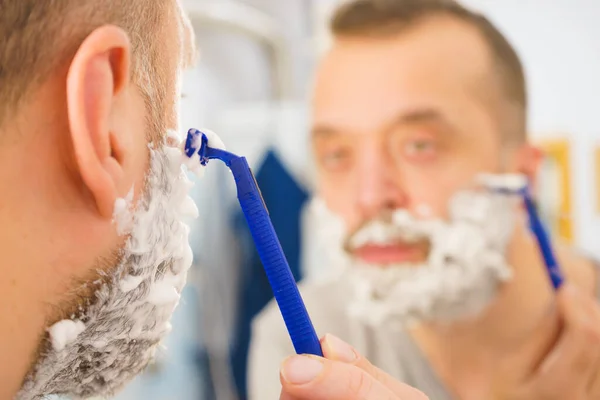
{"x":423,"y":210}
{"x":193,"y":163}
{"x":510,"y":182}
{"x":117,"y":335}
{"x":64,"y":332}
{"x":465,"y":267}
{"x":122,"y":213}
{"x":324,"y":258}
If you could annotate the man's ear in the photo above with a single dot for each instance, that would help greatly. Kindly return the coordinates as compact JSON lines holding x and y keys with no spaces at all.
{"x":98,"y":75}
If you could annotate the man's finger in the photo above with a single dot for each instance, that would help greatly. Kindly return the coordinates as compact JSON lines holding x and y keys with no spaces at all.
{"x":315,"y":378}
{"x":285,"y":396}
{"x":573,"y":359}
{"x":336,"y":349}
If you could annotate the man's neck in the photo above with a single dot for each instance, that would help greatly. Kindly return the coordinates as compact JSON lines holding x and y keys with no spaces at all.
{"x":21,"y":317}
{"x":465,"y":354}
{"x":28,"y":252}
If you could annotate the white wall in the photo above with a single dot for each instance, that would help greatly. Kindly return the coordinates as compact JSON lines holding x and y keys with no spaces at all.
{"x":559,"y":44}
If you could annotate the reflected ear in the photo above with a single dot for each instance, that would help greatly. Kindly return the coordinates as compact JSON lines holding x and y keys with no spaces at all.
{"x":529,"y":159}
{"x":98,"y":75}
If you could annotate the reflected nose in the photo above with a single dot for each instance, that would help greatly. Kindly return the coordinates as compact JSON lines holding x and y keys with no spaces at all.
{"x":379,"y":189}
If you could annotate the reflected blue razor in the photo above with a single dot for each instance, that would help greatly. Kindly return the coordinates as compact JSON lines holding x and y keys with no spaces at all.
{"x":285,"y":290}
{"x":539,"y":231}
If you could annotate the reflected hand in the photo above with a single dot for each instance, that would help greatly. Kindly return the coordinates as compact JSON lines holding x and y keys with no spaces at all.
{"x":342,"y":375}
{"x":569,"y":367}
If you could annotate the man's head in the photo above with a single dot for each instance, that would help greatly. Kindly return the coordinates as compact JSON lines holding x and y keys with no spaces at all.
{"x":412,"y":101}
{"x":90,"y":194}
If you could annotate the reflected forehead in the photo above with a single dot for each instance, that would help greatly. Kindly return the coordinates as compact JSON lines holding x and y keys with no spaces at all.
{"x":435,"y":73}
{"x":440,"y":54}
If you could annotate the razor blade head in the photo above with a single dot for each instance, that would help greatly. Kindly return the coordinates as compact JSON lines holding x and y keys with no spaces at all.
{"x":196,"y":142}
{"x":507,"y":184}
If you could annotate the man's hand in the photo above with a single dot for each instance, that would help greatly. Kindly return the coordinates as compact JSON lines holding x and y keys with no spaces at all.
{"x":568,"y":367}
{"x":342,"y":375}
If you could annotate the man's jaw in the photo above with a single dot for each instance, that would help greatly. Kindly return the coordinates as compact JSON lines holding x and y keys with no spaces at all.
{"x":130,"y":311}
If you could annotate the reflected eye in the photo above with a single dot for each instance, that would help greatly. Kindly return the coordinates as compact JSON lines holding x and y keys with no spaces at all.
{"x":335,"y":159}
{"x":420,"y":148}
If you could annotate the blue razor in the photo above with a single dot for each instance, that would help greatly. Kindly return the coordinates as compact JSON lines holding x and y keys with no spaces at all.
{"x":543,"y":240}
{"x":541,"y":235}
{"x":285,"y":290}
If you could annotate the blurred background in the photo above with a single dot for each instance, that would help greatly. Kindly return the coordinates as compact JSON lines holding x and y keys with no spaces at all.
{"x":252,"y":86}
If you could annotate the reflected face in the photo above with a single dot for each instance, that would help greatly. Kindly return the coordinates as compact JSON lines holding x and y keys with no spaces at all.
{"x":403,"y":122}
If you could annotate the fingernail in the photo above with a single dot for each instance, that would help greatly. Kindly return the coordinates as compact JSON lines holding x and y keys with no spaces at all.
{"x":341,"y":350}
{"x":301,"y":369}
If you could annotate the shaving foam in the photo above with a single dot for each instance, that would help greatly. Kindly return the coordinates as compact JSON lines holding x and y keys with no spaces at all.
{"x":424,"y":211}
{"x":122,"y":213}
{"x":465,"y":267}
{"x":64,"y":332}
{"x":324,"y":233}
{"x":193,"y":163}
{"x":117,"y":335}
{"x":510,"y":182}
{"x":462,"y":274}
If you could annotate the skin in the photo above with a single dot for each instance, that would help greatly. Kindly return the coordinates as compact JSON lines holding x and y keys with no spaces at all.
{"x":76,"y":146}
{"x":342,"y":375}
{"x":407,"y":120}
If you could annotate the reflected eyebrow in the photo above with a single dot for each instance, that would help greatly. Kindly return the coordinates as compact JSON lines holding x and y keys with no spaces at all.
{"x":323,"y":131}
{"x":427,"y":118}
{"x":420,"y":115}
{"x":415,"y":116}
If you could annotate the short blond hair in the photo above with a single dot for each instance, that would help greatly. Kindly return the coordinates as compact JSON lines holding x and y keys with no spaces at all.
{"x":38,"y":36}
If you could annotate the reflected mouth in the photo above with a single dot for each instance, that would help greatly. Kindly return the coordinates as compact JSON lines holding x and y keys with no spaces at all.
{"x":392,"y":253}
{"x":382,"y":243}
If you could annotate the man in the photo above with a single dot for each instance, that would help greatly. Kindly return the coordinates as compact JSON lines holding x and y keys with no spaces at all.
{"x":94,"y":250}
{"x":413,"y":102}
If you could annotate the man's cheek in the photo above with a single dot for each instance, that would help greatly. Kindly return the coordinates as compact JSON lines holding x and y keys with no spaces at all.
{"x":431,"y":209}
{"x":347,"y":215}
{"x":335,"y":196}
